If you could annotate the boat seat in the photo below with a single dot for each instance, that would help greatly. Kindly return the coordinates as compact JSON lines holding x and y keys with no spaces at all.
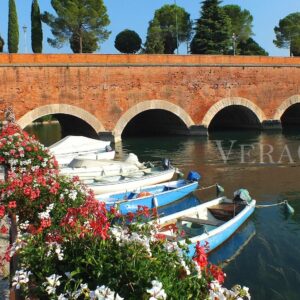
{"x":201,"y":221}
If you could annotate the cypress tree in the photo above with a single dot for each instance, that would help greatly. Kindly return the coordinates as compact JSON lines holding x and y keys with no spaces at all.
{"x":212,"y":30}
{"x":1,"y":44}
{"x":36,"y":28}
{"x":13,"y":28}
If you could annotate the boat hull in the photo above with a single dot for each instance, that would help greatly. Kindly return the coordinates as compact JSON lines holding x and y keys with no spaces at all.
{"x":214,"y":236}
{"x":218,"y":236}
{"x":160,"y":195}
{"x":132,"y":183}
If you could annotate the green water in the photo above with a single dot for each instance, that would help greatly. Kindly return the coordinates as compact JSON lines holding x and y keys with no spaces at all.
{"x":269,"y":264}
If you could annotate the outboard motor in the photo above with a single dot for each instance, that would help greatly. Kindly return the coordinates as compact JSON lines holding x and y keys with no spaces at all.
{"x":242,"y":196}
{"x":166,"y":164}
{"x":193,"y":176}
{"x":108,"y":148}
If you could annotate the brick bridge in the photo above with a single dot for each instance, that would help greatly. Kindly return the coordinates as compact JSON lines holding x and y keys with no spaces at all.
{"x":115,"y":95}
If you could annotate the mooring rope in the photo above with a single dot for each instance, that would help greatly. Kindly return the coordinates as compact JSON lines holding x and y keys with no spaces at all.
{"x":269,"y":205}
{"x":289,"y":208}
{"x":206,"y":187}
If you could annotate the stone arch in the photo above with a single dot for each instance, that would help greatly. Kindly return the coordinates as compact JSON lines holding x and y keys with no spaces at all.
{"x":148,"y":105}
{"x":229,"y":102}
{"x":285,"y":105}
{"x":61,"y":109}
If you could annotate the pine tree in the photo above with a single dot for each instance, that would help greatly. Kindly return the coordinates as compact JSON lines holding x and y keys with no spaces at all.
{"x":13,"y":28}
{"x":76,"y":18}
{"x":36,"y":28}
{"x":212,"y":30}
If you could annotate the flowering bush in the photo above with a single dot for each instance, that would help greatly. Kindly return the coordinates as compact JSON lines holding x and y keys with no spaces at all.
{"x":70,"y":247}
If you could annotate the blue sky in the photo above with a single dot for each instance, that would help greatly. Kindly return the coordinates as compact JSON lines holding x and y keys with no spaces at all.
{"x":135,"y":15}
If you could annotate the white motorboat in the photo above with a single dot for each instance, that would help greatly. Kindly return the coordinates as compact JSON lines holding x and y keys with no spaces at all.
{"x":70,"y":147}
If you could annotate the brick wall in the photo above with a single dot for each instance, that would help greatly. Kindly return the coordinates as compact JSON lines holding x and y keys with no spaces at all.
{"x":107,"y":86}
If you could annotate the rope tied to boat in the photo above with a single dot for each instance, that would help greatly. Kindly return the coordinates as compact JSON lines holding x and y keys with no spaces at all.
{"x":288,"y":207}
{"x":219,"y":188}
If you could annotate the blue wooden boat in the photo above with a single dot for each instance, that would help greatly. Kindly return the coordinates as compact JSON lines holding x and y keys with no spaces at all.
{"x":151,"y":196}
{"x":212,"y":222}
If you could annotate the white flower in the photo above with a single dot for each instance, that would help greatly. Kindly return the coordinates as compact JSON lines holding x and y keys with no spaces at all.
{"x":186,"y":268}
{"x":21,"y":278}
{"x":73,"y":194}
{"x":104,"y":293}
{"x":198,"y":268}
{"x":24,"y":225}
{"x":157,"y":292}
{"x":57,"y":249}
{"x":52,"y":283}
{"x":62,"y":297}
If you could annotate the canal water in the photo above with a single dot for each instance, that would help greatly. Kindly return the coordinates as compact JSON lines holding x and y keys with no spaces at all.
{"x":265,"y":253}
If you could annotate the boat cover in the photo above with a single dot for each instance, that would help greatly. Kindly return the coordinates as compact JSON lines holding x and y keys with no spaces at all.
{"x":75,"y":144}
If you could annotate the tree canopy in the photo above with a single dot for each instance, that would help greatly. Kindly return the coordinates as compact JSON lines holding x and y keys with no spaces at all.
{"x":171,"y":25}
{"x":250,"y":47}
{"x":128,"y":41}
{"x":36,"y":28}
{"x":77,"y":18}
{"x":240,"y":21}
{"x":89,"y":42}
{"x":212,"y":30}
{"x":288,"y":33}
{"x":13,"y":28}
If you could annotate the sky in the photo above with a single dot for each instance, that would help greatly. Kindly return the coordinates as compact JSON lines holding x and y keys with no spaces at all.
{"x":136,"y":14}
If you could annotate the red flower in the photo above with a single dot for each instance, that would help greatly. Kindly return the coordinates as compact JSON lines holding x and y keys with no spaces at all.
{"x":160,"y":236}
{"x":2,"y":211}
{"x":12,"y":204}
{"x":143,"y":211}
{"x":45,"y":223}
{"x":200,"y":255}
{"x":217,"y":273}
{"x":3,"y":230}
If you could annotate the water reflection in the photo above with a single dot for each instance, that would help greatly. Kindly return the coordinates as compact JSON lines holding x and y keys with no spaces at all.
{"x":47,"y":134}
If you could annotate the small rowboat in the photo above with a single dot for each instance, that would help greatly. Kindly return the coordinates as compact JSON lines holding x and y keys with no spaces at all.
{"x":150,"y":196}
{"x":212,"y":222}
{"x":132,"y":181}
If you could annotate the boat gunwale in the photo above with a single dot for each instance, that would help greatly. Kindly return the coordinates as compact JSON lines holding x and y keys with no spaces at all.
{"x":118,"y":201}
{"x":124,"y":181}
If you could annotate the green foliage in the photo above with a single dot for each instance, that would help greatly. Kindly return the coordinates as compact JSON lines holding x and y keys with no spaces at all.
{"x":1,"y":43}
{"x":240,"y":20}
{"x":154,"y":42}
{"x":250,"y":47}
{"x":89,"y":42}
{"x":288,"y":33}
{"x":174,"y":22}
{"x":77,"y":17}
{"x":36,"y":28}
{"x":13,"y":28}
{"x":295,"y":47}
{"x":128,"y":41}
{"x":212,"y":30}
